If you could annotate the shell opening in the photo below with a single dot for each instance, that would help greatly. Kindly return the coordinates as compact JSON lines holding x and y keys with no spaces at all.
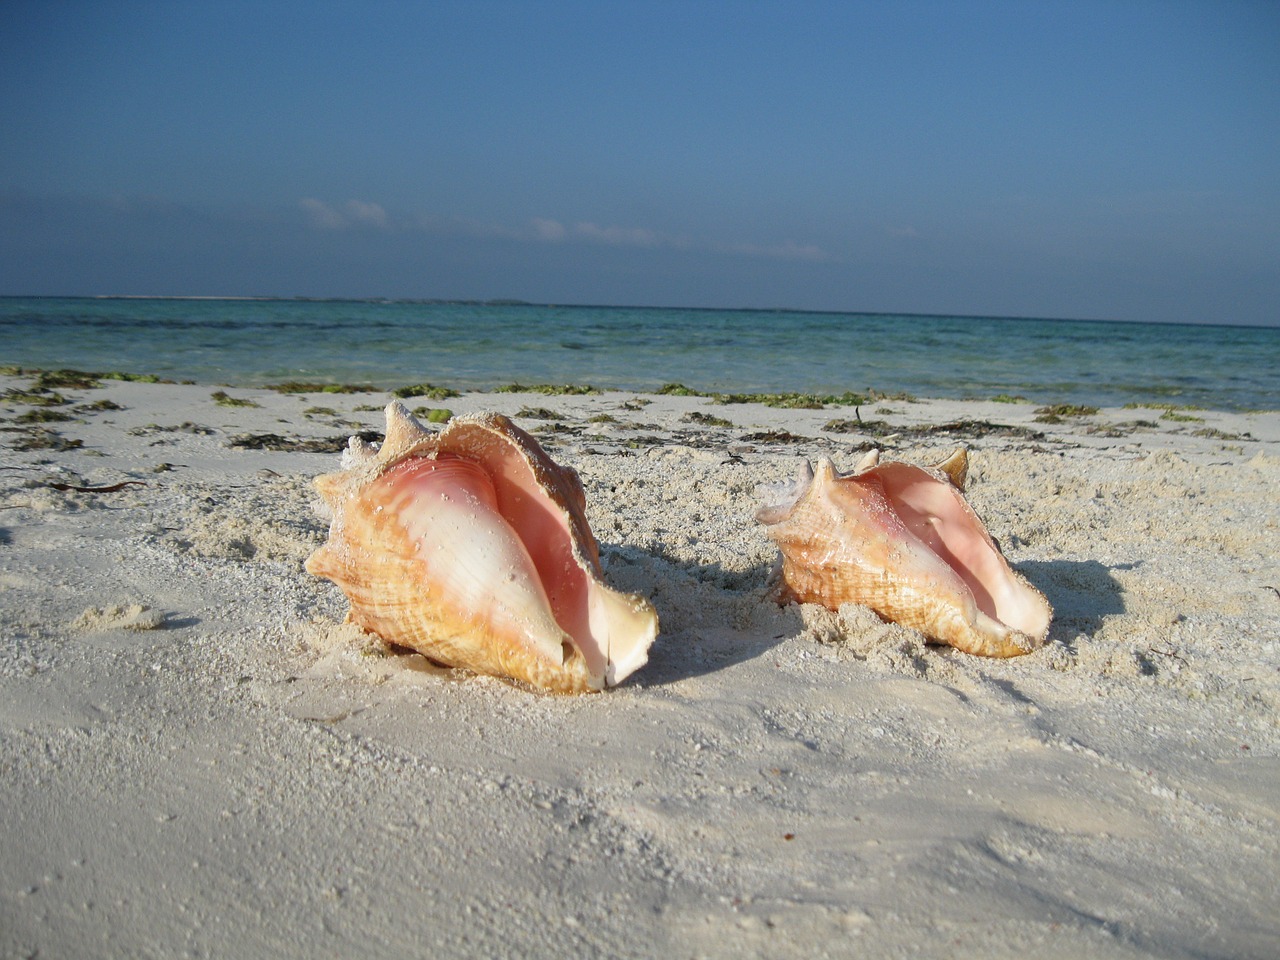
{"x":447,"y":508}
{"x":939,"y":517}
{"x":572,"y":591}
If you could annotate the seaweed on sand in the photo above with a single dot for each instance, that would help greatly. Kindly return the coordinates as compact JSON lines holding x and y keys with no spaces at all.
{"x":550,"y":389}
{"x":276,"y":442}
{"x":428,"y":390}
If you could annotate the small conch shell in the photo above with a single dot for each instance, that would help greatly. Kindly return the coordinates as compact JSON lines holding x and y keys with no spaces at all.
{"x":472,"y":547}
{"x":903,"y":541}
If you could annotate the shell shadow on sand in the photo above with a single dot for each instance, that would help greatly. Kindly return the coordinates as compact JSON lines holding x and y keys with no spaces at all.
{"x":1083,"y":593}
{"x":715,"y":617}
{"x":711,"y":617}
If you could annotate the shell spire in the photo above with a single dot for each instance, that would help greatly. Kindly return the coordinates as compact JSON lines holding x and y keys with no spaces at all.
{"x":902,"y":540}
{"x":472,"y":547}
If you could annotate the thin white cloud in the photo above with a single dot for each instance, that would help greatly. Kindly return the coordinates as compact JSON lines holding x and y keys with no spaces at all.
{"x":618,"y":236}
{"x":321,"y":215}
{"x":552,"y":231}
{"x":353,"y":213}
{"x":548,"y":230}
{"x":363,"y":212}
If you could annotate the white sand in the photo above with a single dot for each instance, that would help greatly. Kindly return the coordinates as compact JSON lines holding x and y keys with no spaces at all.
{"x":198,"y":759}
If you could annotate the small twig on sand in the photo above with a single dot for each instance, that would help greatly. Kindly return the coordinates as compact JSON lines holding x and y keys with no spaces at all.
{"x":109,"y":488}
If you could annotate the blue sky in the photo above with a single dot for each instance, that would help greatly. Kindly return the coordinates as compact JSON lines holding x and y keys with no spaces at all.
{"x":1112,"y":160}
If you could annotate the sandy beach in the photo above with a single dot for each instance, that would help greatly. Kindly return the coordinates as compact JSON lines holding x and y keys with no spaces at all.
{"x":201,"y":759}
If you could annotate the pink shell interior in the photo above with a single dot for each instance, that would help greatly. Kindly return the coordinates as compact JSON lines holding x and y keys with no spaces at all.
{"x":936,"y":514}
{"x":540,"y":527}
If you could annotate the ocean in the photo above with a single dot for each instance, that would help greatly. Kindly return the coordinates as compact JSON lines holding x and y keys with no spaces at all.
{"x":388,"y":344}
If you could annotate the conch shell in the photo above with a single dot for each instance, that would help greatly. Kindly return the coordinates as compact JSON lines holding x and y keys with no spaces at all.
{"x":903,"y":541}
{"x":472,"y":547}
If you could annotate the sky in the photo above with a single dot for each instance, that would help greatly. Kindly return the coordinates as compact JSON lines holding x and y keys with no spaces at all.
{"x":1097,"y":160}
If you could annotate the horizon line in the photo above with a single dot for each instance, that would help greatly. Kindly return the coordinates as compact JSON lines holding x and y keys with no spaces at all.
{"x":516,"y":302}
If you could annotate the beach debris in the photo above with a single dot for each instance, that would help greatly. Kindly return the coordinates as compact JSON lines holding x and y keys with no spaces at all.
{"x":774,"y":436}
{"x":185,"y":427}
{"x":97,"y":406}
{"x":958,"y":429}
{"x":77,"y":379}
{"x":278,"y":444}
{"x":37,"y":396}
{"x":433,"y":414}
{"x":38,"y":438}
{"x":1059,"y":412}
{"x":223,"y":399}
{"x":706,"y":419}
{"x":300,"y":386}
{"x":1213,"y":433}
{"x":472,"y":547}
{"x":551,"y":389}
{"x":538,"y":413}
{"x":122,"y":616}
{"x":789,"y":401}
{"x":902,"y":540}
{"x":428,"y":390}
{"x":43,"y":415}
{"x":108,"y":488}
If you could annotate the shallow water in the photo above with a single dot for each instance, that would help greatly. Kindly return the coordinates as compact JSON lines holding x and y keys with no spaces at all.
{"x":393,"y":343}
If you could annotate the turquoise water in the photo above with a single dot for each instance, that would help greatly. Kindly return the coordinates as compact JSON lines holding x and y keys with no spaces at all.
{"x":474,"y":346}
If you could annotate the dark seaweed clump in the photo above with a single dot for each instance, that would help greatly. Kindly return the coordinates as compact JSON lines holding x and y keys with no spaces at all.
{"x":275,"y":442}
{"x":550,"y":389}
{"x":299,"y":386}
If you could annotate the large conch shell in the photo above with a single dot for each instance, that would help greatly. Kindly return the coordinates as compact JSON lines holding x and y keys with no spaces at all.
{"x":903,"y":541}
{"x":472,"y":547}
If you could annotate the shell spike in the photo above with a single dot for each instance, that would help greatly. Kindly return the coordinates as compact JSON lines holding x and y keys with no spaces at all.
{"x":956,"y":468}
{"x":781,"y":497}
{"x":404,"y":432}
{"x":869,"y":460}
